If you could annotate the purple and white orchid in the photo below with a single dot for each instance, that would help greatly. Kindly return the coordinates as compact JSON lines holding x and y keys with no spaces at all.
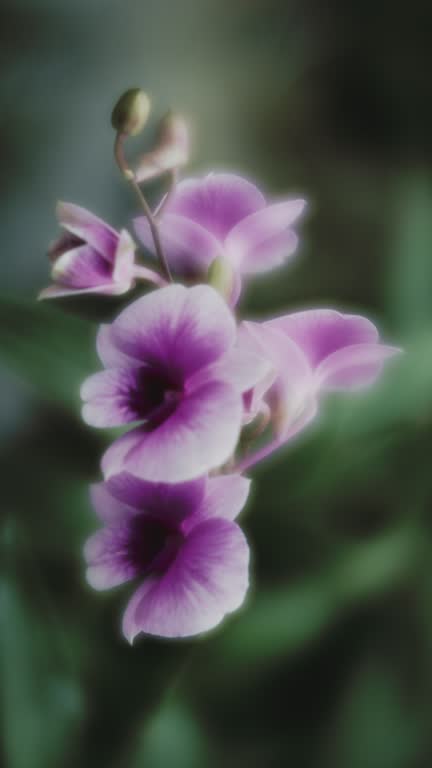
{"x":196,"y":386}
{"x":310,"y":352}
{"x":91,"y":257}
{"x":223,"y":216}
{"x":180,"y":541}
{"x":173,"y":363}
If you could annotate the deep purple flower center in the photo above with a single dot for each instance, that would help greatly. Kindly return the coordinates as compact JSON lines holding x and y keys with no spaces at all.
{"x":152,"y":544}
{"x":154,"y":396}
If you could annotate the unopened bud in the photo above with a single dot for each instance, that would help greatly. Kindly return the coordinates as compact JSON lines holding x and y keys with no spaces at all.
{"x":221,"y":277}
{"x":170,"y":152}
{"x":131,"y":112}
{"x":173,"y":132}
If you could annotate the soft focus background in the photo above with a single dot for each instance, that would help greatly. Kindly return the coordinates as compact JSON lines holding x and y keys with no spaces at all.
{"x":329,"y":664}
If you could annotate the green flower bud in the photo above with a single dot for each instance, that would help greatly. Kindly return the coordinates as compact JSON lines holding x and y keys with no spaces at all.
{"x":221,"y":276}
{"x":130,"y":114}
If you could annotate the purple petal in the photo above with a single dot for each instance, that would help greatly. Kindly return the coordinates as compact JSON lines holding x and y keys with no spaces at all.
{"x":177,"y":330}
{"x":132,"y":547}
{"x":225,"y":496}
{"x":88,"y":228}
{"x":208,"y":579}
{"x":106,"y":555}
{"x":65,"y":242}
{"x":59,"y":291}
{"x":242,"y":367}
{"x":263,"y":240}
{"x":292,"y":393}
{"x":108,"y":508}
{"x":200,"y":434}
{"x":353,"y":367}
{"x":121,"y":395}
{"x":253,"y":400}
{"x":173,"y":502}
{"x":82,"y":267}
{"x":189,"y":248}
{"x":320,"y":332}
{"x":217,"y":202}
{"x":108,"y":352}
{"x":253,"y":396}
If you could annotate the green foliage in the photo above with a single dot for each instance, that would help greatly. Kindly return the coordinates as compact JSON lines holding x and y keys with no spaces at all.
{"x":41,"y":696}
{"x":50,"y":349}
{"x":171,"y":737}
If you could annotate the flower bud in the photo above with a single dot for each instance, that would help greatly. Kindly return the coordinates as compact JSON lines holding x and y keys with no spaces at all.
{"x":130,"y":114}
{"x":89,"y":256}
{"x":221,"y":276}
{"x":170,"y":152}
{"x":173,"y":132}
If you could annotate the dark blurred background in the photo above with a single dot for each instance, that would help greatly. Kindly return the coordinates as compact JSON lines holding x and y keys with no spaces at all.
{"x":329,"y":664}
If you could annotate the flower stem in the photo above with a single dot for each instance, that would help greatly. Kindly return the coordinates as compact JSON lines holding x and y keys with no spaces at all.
{"x":130,"y":178}
{"x":165,"y":200}
{"x":253,"y":458}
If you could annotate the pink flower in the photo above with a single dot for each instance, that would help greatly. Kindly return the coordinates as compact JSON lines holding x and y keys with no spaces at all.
{"x":91,"y":257}
{"x":181,"y":542}
{"x":224,"y":216}
{"x":173,"y":364}
{"x":311,"y":352}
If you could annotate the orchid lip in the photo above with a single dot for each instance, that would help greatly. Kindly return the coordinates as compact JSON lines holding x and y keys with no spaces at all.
{"x":154,"y":396}
{"x":154,"y":544}
{"x":165,"y":410}
{"x":168,"y":553}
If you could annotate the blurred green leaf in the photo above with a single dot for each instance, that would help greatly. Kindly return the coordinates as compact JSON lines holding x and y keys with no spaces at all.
{"x":370,"y":568}
{"x":410,"y":277}
{"x":172,"y":737}
{"x":402,"y":398}
{"x":376,"y":725}
{"x":280,"y":622}
{"x":50,"y":350}
{"x":41,"y":704}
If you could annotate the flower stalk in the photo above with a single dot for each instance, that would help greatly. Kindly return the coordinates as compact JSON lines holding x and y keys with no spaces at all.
{"x":129,"y":175}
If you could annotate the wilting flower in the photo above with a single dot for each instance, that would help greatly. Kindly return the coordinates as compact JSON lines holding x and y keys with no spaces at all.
{"x":224,"y":216}
{"x":91,"y":257}
{"x":181,"y":541}
{"x":311,"y":352}
{"x":173,"y":364}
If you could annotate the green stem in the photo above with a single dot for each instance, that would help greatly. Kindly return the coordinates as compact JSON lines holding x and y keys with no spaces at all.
{"x":130,"y":178}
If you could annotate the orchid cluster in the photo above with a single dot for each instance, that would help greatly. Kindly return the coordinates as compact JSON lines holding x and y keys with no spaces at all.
{"x":203,"y":395}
